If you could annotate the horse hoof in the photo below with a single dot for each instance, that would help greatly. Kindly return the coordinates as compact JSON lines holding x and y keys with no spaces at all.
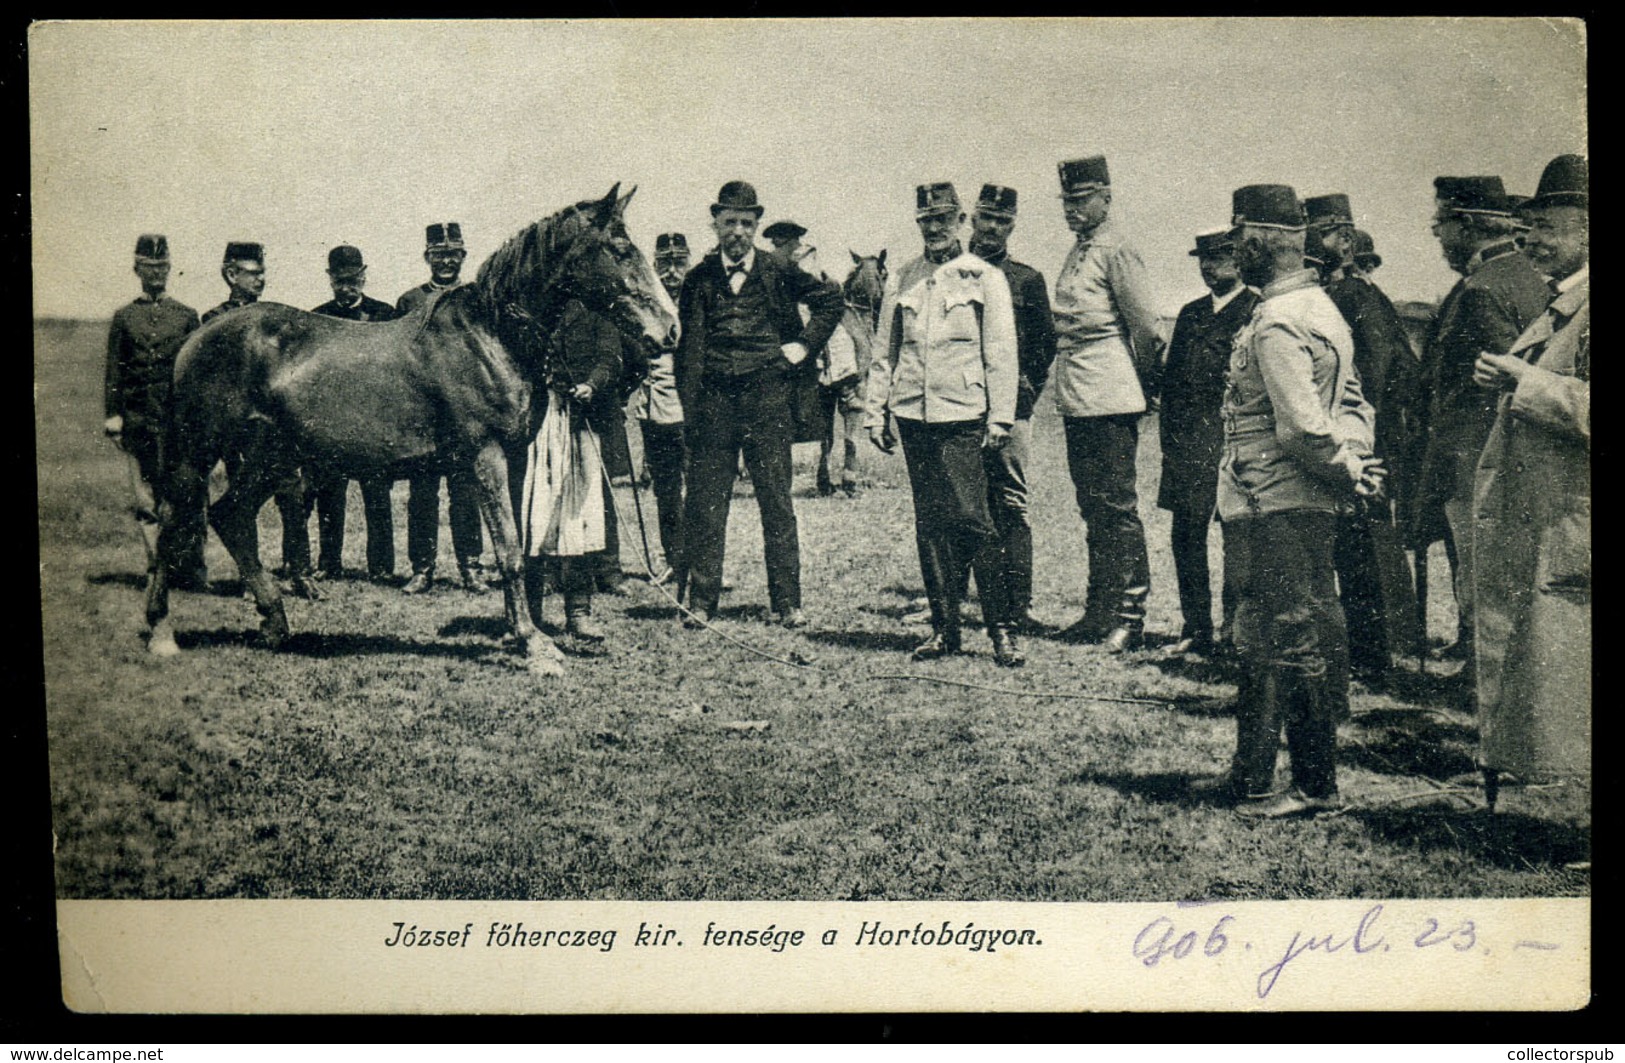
{"x":274,"y":634}
{"x":161,"y":642}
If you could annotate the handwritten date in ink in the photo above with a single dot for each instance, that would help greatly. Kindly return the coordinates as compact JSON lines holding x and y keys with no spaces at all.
{"x":1165,"y":941}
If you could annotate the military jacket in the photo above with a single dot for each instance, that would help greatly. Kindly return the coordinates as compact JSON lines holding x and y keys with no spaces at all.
{"x":948,"y":345}
{"x":1035,"y":330}
{"x":224,"y":308}
{"x":367,"y":309}
{"x":413,"y":298}
{"x":1191,"y":427}
{"x":142,"y":343}
{"x":1105,"y":326}
{"x":1295,"y":420}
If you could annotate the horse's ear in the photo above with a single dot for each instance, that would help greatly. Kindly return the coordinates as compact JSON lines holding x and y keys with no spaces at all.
{"x":857,"y":259}
{"x":882,"y":256}
{"x":620,"y":205}
{"x":605,"y":211}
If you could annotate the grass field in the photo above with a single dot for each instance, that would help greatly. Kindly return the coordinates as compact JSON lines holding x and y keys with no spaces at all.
{"x":396,"y":749}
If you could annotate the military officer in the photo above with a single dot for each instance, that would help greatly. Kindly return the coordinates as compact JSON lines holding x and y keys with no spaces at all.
{"x":992,"y":222}
{"x":1298,"y":439}
{"x":659,"y":412}
{"x":1378,"y":599}
{"x":1107,"y":350}
{"x":142,"y":343}
{"x":1500,"y":294}
{"x":947,"y":378}
{"x":347,"y":273}
{"x":1364,"y":253}
{"x":243,"y":270}
{"x":1532,"y":504}
{"x":1193,"y":432}
{"x":444,"y":252}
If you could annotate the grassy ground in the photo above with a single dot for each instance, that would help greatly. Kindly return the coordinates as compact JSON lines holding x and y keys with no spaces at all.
{"x":396,"y":749}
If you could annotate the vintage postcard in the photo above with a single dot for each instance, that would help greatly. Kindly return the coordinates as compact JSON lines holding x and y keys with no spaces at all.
{"x":686,"y":373}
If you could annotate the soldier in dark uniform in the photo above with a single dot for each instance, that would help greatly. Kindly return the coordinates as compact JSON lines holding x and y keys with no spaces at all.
{"x":992,"y":222}
{"x":243,"y":270}
{"x":1193,"y":432}
{"x":347,"y":272}
{"x":142,"y":344}
{"x":444,"y":252}
{"x":1297,"y":446}
{"x":1365,"y":256}
{"x":1372,"y":574}
{"x":1500,"y":293}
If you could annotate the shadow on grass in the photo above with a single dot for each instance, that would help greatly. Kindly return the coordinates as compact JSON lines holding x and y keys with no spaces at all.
{"x":1196,"y":669}
{"x":130,"y":580}
{"x":344,"y":644}
{"x":1424,"y":747}
{"x":1424,"y":688}
{"x":491,"y":627}
{"x":1510,"y":840}
{"x":875,"y":641}
{"x":1164,"y":787}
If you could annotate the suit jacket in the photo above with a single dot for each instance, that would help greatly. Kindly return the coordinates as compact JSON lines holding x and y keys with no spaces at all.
{"x":368,"y":309}
{"x":1192,"y":393}
{"x":786,"y":287}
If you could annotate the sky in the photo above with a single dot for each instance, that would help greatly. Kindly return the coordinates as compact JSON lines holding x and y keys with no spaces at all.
{"x":304,"y":135}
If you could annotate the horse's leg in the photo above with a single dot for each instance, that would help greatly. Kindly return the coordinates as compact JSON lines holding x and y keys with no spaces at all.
{"x":234,"y":518}
{"x":497,"y":504}
{"x":183,"y":494}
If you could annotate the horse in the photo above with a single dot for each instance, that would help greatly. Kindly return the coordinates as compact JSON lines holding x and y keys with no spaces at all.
{"x":863,"y":289}
{"x":277,"y":389}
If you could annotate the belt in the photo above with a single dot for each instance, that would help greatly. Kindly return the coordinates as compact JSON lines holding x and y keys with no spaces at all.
{"x":1249,"y":424}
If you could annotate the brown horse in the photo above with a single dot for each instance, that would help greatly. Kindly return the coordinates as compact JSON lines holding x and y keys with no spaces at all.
{"x":279,"y":389}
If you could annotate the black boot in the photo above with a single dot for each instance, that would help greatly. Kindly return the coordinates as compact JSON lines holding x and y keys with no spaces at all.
{"x":944,"y":642}
{"x":1006,"y":654}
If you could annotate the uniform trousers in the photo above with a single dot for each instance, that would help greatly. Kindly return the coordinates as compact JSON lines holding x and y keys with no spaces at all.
{"x":145,"y":444}
{"x":330,"y":496}
{"x":1006,"y":472}
{"x":665,"y":455}
{"x":1359,"y":585}
{"x":423,"y":518}
{"x":953,"y":529}
{"x":1100,"y":454}
{"x":1189,"y":537}
{"x":749,"y":414}
{"x":1289,"y":631}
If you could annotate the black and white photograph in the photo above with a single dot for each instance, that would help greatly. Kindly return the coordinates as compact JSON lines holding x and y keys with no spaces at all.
{"x":891,"y":512}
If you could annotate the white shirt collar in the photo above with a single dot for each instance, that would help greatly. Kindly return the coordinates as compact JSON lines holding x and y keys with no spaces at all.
{"x":1578,"y":276}
{"x":1220,"y":302}
{"x":749,"y":260}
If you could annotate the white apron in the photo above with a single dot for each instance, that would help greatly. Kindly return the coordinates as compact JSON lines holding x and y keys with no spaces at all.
{"x":563,"y":499}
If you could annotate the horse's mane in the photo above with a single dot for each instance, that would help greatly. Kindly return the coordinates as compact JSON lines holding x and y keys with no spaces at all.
{"x":509,"y":276}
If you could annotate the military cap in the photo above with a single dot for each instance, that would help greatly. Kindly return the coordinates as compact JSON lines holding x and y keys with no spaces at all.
{"x":671,"y":245}
{"x":736,"y":195}
{"x":1328,"y":210}
{"x":443,"y":236}
{"x":1084,"y":175}
{"x":1472,"y":195}
{"x":937,"y":197}
{"x":152,"y":249}
{"x":1214,"y":242}
{"x":997,"y":200}
{"x":1566,"y":182}
{"x":1268,"y":207}
{"x":245,"y":251}
{"x":784,"y":230}
{"x":345,"y":261}
{"x":1365,"y":250}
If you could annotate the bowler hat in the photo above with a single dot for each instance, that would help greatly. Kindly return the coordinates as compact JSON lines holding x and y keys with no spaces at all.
{"x":345,"y":261}
{"x":1084,"y":175}
{"x":736,"y":195}
{"x":784,"y":230}
{"x":1266,"y":206}
{"x":937,"y":197}
{"x":1472,"y":195}
{"x":1365,"y":250}
{"x":1214,"y":242}
{"x":1328,"y":210}
{"x":443,"y":236}
{"x":1566,"y":182}
{"x":671,"y":244}
{"x":152,"y":249}
{"x":997,"y":200}
{"x":245,"y":251}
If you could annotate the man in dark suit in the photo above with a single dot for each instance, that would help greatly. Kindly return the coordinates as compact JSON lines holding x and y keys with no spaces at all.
{"x":1499,"y":295}
{"x":1193,"y":431}
{"x":444,"y":252}
{"x":1371,"y":572}
{"x":142,"y":343}
{"x":347,"y":273}
{"x":743,"y":345}
{"x":992,"y":222}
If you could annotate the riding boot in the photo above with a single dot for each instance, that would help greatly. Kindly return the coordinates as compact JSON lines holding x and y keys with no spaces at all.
{"x":471,"y":575}
{"x":535,"y":588}
{"x":1258,"y":729}
{"x":578,"y":619}
{"x":1311,"y":731}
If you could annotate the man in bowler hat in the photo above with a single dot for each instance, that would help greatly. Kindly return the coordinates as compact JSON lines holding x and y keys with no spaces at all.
{"x":743,"y":346}
{"x":659,"y":413}
{"x":946,"y":377}
{"x":1193,"y":432}
{"x":347,"y":273}
{"x":1298,"y":438}
{"x":1107,"y":352}
{"x":992,"y":222}
{"x":142,"y":343}
{"x":444,"y":252}
{"x":1500,"y":294}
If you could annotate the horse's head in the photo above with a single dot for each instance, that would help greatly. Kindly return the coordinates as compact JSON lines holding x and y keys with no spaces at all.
{"x":866,"y":284}
{"x":606,"y":271}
